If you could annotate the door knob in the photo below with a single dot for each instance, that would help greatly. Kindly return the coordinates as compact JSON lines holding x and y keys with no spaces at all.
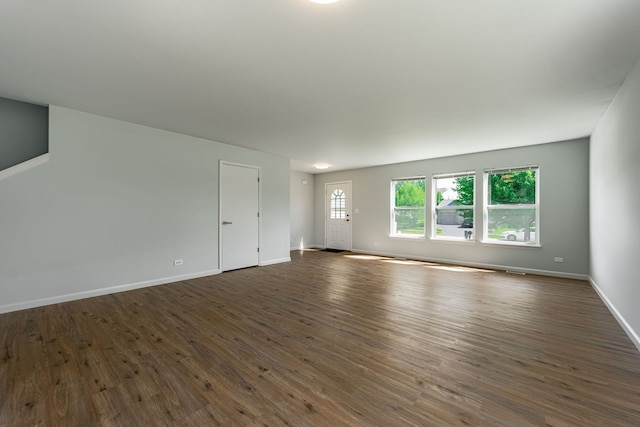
{"x":226,"y":222}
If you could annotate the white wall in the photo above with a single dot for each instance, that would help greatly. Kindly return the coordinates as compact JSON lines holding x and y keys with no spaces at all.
{"x":302,"y":215}
{"x":615,"y":205}
{"x":116,"y":204}
{"x":564,"y":219}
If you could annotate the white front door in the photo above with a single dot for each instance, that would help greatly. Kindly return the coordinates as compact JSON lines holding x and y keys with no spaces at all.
{"x":338,"y":215}
{"x":239,"y":216}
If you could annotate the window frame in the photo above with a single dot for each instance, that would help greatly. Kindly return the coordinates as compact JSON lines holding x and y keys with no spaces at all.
{"x":434,"y":207}
{"x":486,"y":206}
{"x":334,"y":207}
{"x":392,"y":222}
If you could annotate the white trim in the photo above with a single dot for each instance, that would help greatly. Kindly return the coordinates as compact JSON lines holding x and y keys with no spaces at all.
{"x":409,"y":237}
{"x":308,"y":247}
{"x":409,"y":178}
{"x":103,"y":291}
{"x":21,"y":167}
{"x":275,"y":261}
{"x":297,"y":248}
{"x":455,"y":239}
{"x":453,"y":175}
{"x":434,"y":205}
{"x":512,"y":169}
{"x":486,"y":205}
{"x":633,"y":335}
{"x":392,"y":205}
{"x":513,"y":207}
{"x":496,"y":242}
{"x":480,"y":265}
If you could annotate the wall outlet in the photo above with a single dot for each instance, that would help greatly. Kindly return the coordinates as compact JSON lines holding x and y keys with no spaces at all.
{"x":558,"y":259}
{"x":177,"y":262}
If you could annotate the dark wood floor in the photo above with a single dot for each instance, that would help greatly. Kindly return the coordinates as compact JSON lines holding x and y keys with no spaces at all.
{"x":326,"y":340}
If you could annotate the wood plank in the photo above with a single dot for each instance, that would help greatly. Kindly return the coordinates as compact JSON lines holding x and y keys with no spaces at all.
{"x":328,"y":339}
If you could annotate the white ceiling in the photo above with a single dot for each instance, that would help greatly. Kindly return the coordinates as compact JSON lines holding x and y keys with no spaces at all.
{"x":355,"y":83}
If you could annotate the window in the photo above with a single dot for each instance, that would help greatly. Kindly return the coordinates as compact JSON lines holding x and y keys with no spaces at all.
{"x":512,"y":205}
{"x":453,"y":206}
{"x":407,"y":201}
{"x":338,"y":208}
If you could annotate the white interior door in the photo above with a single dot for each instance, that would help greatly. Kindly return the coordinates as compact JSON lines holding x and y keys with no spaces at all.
{"x":239,"y":216}
{"x":338,"y":215}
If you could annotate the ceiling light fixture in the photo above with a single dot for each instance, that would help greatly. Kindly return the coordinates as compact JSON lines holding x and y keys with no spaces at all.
{"x":324,"y":1}
{"x":321,"y":165}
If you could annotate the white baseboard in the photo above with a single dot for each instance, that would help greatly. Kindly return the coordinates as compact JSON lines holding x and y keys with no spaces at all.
{"x":274,"y":261}
{"x":23,"y":305}
{"x":103,"y":291}
{"x":297,"y":248}
{"x":481,"y":265}
{"x":633,"y":335}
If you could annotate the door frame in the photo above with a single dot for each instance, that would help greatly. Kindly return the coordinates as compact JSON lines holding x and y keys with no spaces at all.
{"x":326,"y":205}
{"x":243,"y":165}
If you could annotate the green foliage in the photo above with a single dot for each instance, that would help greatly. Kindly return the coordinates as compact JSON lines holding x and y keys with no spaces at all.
{"x":409,"y":221}
{"x":410,"y":193}
{"x":506,"y":188}
{"x":464,"y":187}
{"x":511,"y":219}
{"x":513,"y":188}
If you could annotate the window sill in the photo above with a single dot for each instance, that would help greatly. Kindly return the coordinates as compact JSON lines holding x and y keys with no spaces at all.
{"x":452,"y":240}
{"x":511,"y":244}
{"x":407,"y":236}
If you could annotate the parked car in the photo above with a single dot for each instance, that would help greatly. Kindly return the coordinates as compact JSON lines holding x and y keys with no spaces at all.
{"x":517,"y":235}
{"x":466,"y":224}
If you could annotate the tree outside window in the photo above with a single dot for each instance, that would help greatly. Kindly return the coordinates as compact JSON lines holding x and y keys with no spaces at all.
{"x":408,"y":201}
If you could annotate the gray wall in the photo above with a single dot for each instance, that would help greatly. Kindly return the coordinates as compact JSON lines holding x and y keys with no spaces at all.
{"x":615,"y":205}
{"x":23,"y":132}
{"x":564,"y":219}
{"x":116,"y":204}
{"x":302,"y":210}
